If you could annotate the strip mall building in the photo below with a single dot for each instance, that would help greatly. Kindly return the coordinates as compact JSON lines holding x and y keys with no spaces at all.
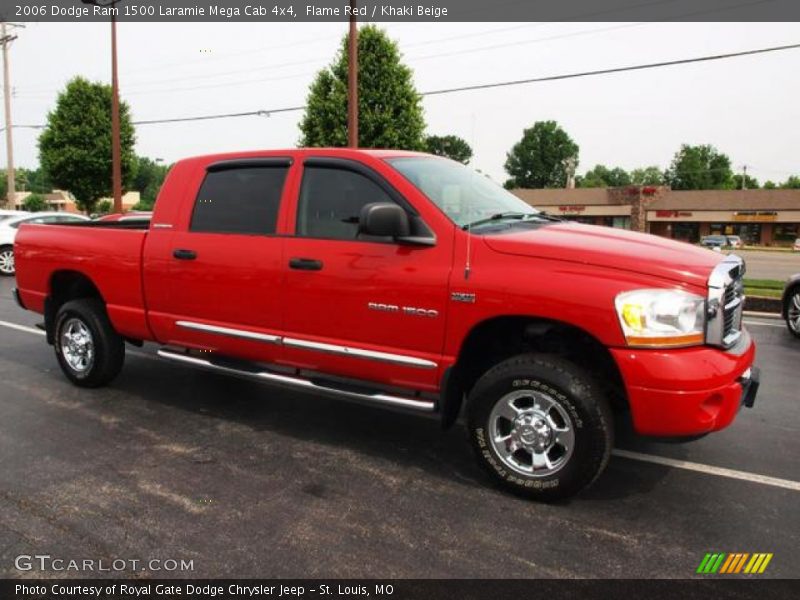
{"x":762,"y":217}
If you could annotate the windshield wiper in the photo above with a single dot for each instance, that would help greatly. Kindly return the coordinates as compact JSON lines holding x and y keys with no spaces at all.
{"x":497,"y":217}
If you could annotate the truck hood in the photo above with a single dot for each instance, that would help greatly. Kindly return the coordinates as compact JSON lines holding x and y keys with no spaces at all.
{"x":611,"y":248}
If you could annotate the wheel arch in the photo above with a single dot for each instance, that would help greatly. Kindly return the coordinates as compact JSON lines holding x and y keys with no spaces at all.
{"x":501,"y":337}
{"x":66,"y":285}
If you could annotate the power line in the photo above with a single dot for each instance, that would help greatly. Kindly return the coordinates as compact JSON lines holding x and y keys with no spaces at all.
{"x":484,"y":86}
{"x":670,"y":63}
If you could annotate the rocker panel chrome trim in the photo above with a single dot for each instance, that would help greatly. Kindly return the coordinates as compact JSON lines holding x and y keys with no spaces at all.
{"x":239,"y":333}
{"x":399,"y":359}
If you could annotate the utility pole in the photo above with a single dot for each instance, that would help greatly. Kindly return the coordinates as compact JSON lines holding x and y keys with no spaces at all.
{"x":744,"y":177}
{"x":352,"y":80}
{"x":5,"y":40}
{"x":116,"y":151}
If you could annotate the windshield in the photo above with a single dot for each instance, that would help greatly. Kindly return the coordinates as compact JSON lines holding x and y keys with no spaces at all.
{"x":467,"y":197}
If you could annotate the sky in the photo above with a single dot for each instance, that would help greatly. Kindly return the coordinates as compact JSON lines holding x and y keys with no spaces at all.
{"x":747,"y":107}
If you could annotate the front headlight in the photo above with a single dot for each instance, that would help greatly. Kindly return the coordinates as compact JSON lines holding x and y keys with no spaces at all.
{"x":661,"y":318}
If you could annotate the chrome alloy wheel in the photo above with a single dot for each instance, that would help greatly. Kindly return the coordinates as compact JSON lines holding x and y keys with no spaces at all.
{"x":77,"y":345}
{"x":531,"y":433}
{"x":793,"y":312}
{"x":7,"y":261}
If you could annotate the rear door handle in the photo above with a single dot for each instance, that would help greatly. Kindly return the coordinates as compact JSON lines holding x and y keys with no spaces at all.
{"x":305,"y":264}
{"x":181,"y":254}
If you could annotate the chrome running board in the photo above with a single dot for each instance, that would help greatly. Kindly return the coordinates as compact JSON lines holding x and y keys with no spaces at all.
{"x":299,"y":382}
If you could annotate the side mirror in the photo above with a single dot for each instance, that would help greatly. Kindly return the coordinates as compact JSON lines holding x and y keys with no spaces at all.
{"x":384,"y":219}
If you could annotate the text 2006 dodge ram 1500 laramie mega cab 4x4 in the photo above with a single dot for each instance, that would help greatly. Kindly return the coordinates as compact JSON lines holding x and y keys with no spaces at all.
{"x":407,"y":280}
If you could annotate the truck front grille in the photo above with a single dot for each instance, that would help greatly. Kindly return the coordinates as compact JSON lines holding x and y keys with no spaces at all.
{"x":725,"y":302}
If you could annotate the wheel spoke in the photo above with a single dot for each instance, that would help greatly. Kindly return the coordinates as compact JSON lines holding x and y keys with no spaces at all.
{"x":508,"y":411}
{"x":796,"y":301}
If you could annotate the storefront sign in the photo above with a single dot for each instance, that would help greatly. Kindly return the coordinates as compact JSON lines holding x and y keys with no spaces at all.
{"x":673,"y":214}
{"x":752,"y":216}
{"x":572,"y":208}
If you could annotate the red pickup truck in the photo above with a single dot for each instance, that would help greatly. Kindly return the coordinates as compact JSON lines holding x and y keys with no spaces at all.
{"x":406,"y":280}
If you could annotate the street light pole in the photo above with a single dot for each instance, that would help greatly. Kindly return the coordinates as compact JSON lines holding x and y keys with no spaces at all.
{"x":352,"y":80}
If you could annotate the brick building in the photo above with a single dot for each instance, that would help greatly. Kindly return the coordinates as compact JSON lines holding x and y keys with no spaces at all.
{"x":764,"y":217}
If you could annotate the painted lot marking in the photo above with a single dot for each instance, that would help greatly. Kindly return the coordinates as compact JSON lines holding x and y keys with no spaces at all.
{"x":709,"y":469}
{"x":22,"y":328}
{"x":650,"y":458}
{"x":782,"y":325}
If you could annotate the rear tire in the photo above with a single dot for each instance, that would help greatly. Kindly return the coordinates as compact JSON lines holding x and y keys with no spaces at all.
{"x":792,"y":311}
{"x":89,"y":351}
{"x":7,"y":268}
{"x":540,"y":426}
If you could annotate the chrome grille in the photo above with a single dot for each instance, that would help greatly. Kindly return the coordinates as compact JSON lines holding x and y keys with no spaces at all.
{"x":725,"y":302}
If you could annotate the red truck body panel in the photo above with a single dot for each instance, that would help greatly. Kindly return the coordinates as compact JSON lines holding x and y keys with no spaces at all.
{"x":563,"y":272}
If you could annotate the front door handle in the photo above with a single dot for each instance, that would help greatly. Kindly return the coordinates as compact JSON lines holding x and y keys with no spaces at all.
{"x":305,"y":264}
{"x":181,"y":254}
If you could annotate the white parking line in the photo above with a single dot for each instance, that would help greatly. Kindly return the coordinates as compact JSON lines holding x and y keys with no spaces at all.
{"x":709,"y":469}
{"x":651,"y":458}
{"x":22,"y":328}
{"x":762,"y":324}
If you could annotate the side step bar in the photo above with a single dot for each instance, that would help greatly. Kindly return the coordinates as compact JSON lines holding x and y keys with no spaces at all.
{"x":294,"y":381}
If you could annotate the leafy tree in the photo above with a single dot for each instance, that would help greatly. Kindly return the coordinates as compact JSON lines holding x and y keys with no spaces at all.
{"x":602,"y":176}
{"x":34,"y":203}
{"x":147,"y":180}
{"x":390,"y":108}
{"x":699,"y":168}
{"x":104,"y":207}
{"x":770,"y":185}
{"x":751,"y":183}
{"x":539,"y":159}
{"x":647,"y":176}
{"x":450,"y":146}
{"x":75,"y":147}
{"x":33,"y":180}
{"x":793,"y":183}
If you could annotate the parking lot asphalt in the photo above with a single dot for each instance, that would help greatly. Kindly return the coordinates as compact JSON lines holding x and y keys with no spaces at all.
{"x":247,"y":480}
{"x":770,"y":265}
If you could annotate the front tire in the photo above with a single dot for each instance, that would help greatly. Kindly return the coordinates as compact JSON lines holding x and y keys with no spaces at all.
{"x":792,"y":311}
{"x":540,"y":426}
{"x":7,"y":268}
{"x":89,"y":351}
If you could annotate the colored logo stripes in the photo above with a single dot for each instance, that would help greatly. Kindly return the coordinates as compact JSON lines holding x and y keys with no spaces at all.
{"x":735,"y":562}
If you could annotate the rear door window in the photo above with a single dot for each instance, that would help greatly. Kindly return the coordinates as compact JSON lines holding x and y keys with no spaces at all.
{"x":241,"y":200}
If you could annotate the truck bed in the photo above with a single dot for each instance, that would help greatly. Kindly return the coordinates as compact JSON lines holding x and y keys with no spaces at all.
{"x":109,"y":254}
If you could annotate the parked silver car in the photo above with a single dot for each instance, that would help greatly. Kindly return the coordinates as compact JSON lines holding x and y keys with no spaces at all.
{"x":791,"y":304}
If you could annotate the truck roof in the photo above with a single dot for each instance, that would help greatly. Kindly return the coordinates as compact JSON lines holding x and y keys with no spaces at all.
{"x":294,"y":152}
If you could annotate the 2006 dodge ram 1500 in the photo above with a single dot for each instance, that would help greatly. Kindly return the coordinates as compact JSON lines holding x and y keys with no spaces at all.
{"x":407,"y":280}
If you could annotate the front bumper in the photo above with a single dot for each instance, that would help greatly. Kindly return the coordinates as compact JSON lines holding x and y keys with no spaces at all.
{"x":690,"y":391}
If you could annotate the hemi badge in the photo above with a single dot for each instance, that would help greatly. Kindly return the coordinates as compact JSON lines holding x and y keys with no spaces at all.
{"x":463,"y":297}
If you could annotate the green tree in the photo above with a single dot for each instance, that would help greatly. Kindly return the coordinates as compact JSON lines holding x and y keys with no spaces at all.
{"x":75,"y":146}
{"x":699,"y":168}
{"x":751,"y":183}
{"x":104,"y":207}
{"x":793,"y":183}
{"x":539,"y":159}
{"x":770,"y":185}
{"x":390,"y":108}
{"x":33,"y":180}
{"x":647,"y":176}
{"x":602,"y":176}
{"x":147,"y":181}
{"x":450,"y":146}
{"x":34,"y":203}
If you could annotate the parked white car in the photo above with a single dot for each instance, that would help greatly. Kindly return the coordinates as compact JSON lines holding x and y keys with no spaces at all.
{"x":8,"y":214}
{"x":9,"y":224}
